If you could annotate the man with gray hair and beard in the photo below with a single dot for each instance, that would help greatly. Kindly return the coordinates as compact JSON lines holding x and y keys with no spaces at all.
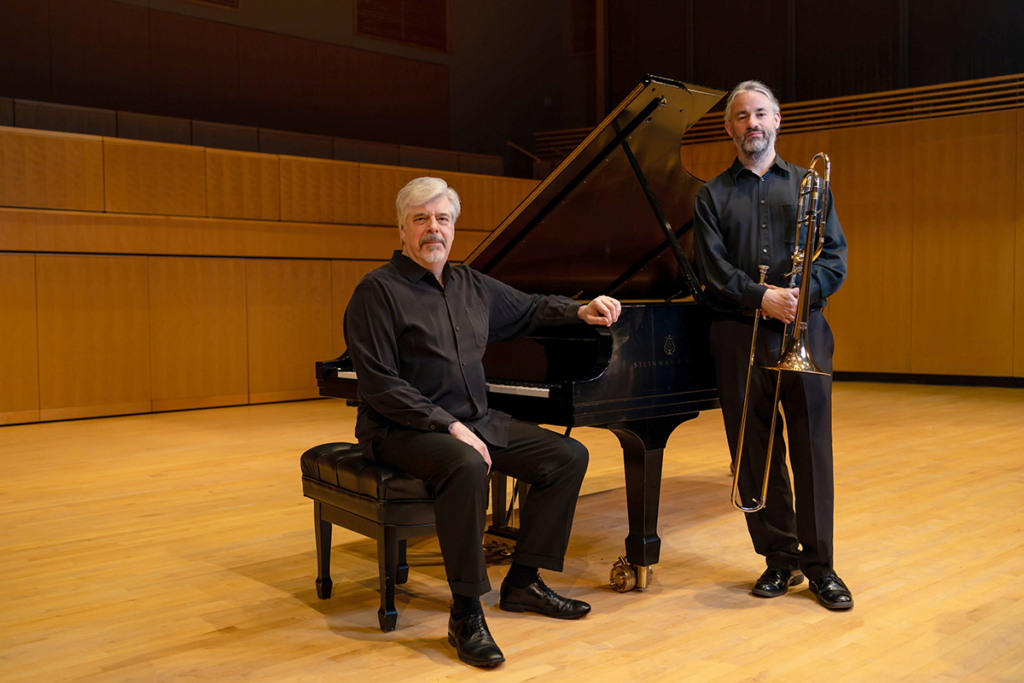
{"x":744,"y":219}
{"x":416,"y":330}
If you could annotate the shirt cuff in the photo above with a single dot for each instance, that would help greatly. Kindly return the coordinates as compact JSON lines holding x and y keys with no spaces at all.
{"x":572,"y":313}
{"x":753,"y":296}
{"x":439,"y":421}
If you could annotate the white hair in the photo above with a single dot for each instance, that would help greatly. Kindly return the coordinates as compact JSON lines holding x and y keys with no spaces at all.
{"x":421,"y":191}
{"x":751,"y":86}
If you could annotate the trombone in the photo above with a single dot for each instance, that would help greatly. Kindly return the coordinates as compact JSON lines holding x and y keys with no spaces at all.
{"x":796,"y":354}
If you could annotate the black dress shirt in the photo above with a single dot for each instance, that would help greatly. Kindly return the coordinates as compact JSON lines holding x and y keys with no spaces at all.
{"x":418,"y":347}
{"x":742,"y":221}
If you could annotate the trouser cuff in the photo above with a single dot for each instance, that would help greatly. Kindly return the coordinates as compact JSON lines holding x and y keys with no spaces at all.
{"x":814,"y":572}
{"x":538,"y":561}
{"x":472,"y":590}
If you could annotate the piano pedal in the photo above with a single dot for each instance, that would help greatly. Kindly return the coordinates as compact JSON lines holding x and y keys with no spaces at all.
{"x":499,"y":543}
{"x":626,"y":577}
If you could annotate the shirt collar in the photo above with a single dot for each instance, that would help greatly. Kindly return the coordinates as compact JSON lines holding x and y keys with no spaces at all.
{"x":780,"y":166}
{"x":414,"y":272}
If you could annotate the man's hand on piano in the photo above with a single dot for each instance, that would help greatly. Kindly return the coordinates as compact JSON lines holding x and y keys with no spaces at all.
{"x":466,"y":435}
{"x":603,"y":310}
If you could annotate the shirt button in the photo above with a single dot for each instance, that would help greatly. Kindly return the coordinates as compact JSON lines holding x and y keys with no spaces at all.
{"x":762,"y":201}
{"x":764,"y":225}
{"x":431,"y":426}
{"x":765,"y":250}
{"x":456,"y":328}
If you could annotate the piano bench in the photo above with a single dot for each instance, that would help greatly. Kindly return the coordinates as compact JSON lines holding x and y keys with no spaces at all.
{"x":370,"y":498}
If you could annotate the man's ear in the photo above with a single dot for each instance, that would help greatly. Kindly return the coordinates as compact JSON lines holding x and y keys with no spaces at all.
{"x":728,"y":128}
{"x":401,"y":234}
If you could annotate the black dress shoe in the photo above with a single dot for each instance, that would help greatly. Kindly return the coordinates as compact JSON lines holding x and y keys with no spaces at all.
{"x":775,"y":582}
{"x":537,"y":597}
{"x":473,"y":642}
{"x":832,"y":592}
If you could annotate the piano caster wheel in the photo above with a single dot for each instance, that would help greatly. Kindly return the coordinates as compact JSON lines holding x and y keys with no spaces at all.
{"x":623,"y":578}
{"x":626,"y":577}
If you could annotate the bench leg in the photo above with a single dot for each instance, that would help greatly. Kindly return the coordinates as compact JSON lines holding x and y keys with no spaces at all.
{"x":323,"y":552}
{"x":387,"y":560}
{"x":402,"y":575}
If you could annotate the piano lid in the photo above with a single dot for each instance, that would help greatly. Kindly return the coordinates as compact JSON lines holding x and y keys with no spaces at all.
{"x":589,"y":227}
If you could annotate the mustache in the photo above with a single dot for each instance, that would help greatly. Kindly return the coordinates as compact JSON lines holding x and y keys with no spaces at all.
{"x":428,"y":239}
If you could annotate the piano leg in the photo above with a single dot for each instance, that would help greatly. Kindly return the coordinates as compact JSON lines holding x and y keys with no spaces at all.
{"x":643,"y":449}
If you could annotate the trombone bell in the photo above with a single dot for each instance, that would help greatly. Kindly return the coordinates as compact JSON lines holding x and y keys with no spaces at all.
{"x":797,"y":357}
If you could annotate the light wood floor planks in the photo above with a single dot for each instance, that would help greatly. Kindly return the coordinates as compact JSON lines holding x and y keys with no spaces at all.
{"x":178,"y":546}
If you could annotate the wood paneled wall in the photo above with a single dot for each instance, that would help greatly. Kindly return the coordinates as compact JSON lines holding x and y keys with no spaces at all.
{"x":244,"y":185}
{"x":1018,"y":297}
{"x":138,"y":276}
{"x":234,"y":292}
{"x":198,"y":324}
{"x":290,"y":302}
{"x":19,"y":358}
{"x":872,"y":188}
{"x":51,"y":170}
{"x":93,"y":331}
{"x":320,"y":191}
{"x":934,"y":218}
{"x":963,"y":264}
{"x":153,"y":177}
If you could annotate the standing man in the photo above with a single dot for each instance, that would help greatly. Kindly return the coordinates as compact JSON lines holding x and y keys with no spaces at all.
{"x":416,"y":329}
{"x":745,"y":218}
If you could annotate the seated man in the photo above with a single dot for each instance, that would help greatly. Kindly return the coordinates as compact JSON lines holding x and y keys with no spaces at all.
{"x":416,"y":329}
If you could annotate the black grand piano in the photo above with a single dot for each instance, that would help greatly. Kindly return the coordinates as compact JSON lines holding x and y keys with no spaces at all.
{"x":614,"y":218}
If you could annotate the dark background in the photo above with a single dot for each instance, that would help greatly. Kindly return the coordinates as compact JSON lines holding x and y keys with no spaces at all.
{"x":512,"y":68}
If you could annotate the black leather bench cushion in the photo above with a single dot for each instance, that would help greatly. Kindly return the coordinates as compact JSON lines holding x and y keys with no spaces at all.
{"x":342,"y":465}
{"x":337,"y":474}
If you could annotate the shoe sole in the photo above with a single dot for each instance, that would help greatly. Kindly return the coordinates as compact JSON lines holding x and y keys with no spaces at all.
{"x":794,"y":580}
{"x":512,"y":607}
{"x":483,"y":664}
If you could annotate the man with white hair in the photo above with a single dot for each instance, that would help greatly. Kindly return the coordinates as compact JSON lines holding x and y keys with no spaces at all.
{"x":416,"y":330}
{"x":744,"y":219}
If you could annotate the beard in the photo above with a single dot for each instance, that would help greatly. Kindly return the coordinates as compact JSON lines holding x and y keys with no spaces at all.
{"x":432,"y":254}
{"x":757,"y":148}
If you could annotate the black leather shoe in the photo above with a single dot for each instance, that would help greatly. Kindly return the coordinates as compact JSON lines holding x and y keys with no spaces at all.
{"x":537,"y":597}
{"x":775,"y":582}
{"x":832,"y":592}
{"x":473,"y":642}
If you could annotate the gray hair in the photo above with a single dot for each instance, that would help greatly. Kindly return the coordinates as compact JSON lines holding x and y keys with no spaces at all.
{"x":422,"y":190}
{"x":751,"y":86}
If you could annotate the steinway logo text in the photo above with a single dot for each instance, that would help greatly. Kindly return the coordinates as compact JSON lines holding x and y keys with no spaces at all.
{"x":669,"y":349}
{"x":657,"y":363}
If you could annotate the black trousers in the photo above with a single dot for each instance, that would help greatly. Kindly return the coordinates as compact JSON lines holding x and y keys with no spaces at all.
{"x":789,"y":538}
{"x":553,"y":465}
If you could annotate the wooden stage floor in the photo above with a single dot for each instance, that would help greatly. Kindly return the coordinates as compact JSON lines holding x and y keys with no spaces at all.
{"x":178,"y":546}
